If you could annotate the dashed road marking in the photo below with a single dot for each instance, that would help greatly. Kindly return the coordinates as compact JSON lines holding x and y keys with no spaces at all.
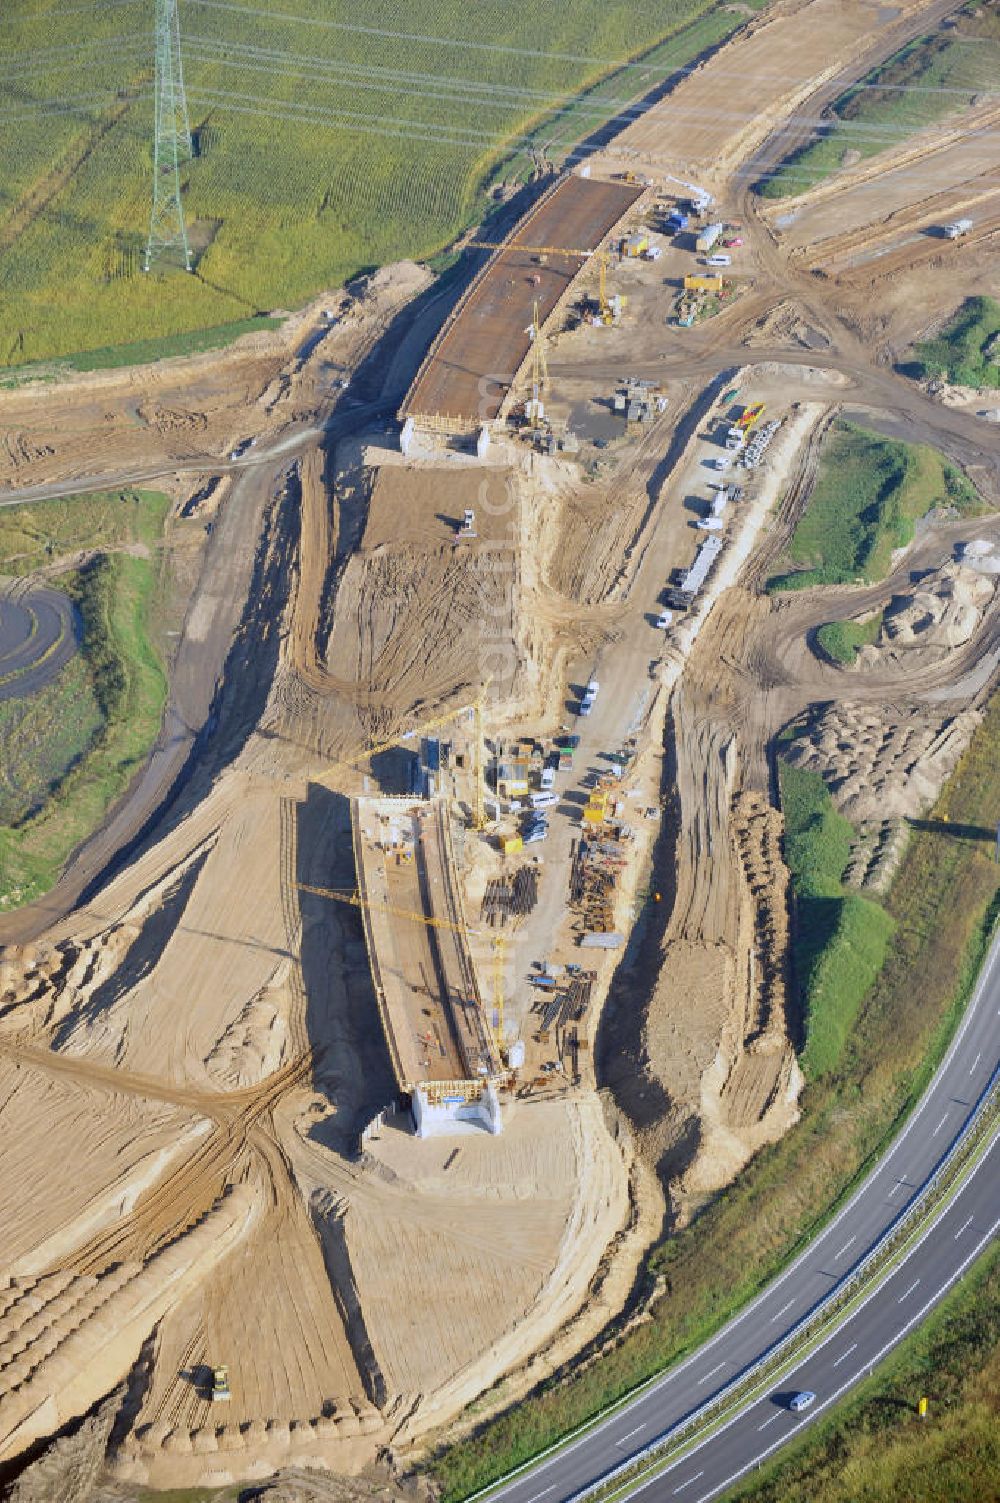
{"x":963,"y":1228}
{"x":850,"y":1241}
{"x":688,"y":1483}
{"x":844,"y":1355}
{"x":782,"y":1311}
{"x":630,"y":1434}
{"x":769,"y":1422}
{"x":717,"y":1369}
{"x":908,"y":1292}
{"x":940,"y":1125}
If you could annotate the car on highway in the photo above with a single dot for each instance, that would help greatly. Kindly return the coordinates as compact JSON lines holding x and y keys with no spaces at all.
{"x":801,"y":1400}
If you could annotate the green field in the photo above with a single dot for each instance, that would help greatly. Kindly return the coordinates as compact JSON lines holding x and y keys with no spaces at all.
{"x":930,"y":78}
{"x":967,"y":350}
{"x":44,"y":532}
{"x":328,"y":141}
{"x":843,"y":639}
{"x":840,"y":939}
{"x":944,"y":902}
{"x":869,"y":493}
{"x":875,"y":1449}
{"x":69,"y":751}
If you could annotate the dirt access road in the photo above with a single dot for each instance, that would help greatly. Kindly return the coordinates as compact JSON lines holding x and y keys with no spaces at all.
{"x":210,"y":1034}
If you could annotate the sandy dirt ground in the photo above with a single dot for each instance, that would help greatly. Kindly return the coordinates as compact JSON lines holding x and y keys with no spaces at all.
{"x":718,"y":115}
{"x":200,"y":1037}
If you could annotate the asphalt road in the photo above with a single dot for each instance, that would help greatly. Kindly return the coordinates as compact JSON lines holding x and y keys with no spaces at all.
{"x":39,"y":633}
{"x":963,"y":1075}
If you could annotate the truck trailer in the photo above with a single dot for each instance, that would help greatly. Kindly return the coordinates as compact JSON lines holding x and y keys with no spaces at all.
{"x":708,"y":237}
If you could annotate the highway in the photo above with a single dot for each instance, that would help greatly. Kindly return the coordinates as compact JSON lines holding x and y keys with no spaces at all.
{"x":963,"y":1076}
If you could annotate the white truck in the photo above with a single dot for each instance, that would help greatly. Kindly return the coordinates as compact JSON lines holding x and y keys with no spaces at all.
{"x":958,"y":228}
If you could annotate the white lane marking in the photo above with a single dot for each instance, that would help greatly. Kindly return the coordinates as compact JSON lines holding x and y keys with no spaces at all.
{"x":769,"y":1422}
{"x":963,"y":1228}
{"x":940,"y":1125}
{"x":846,"y":1245}
{"x":896,"y":1186}
{"x":542,"y":1495}
{"x":782,"y":1311}
{"x":630,"y":1434}
{"x":908,"y":1292}
{"x":972,"y":1067}
{"x":717,"y":1369}
{"x":688,"y":1483}
{"x":844,"y":1355}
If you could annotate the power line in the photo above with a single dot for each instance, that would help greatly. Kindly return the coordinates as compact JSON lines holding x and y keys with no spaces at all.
{"x":171,"y":143}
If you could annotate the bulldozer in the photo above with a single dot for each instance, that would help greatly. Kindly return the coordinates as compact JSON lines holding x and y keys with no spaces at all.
{"x":221,"y":1392}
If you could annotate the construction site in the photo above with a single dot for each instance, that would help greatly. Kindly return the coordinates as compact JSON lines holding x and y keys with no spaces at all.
{"x":438,"y":961}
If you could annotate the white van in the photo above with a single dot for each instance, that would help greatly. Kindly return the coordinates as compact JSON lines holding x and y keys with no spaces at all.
{"x":719,"y":260}
{"x":548,"y":778}
{"x":544,"y":800}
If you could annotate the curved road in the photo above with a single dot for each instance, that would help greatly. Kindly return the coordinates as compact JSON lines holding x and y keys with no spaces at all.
{"x":963,"y":1076}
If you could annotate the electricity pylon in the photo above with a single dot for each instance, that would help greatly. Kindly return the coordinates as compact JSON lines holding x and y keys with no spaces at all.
{"x":171,"y":143}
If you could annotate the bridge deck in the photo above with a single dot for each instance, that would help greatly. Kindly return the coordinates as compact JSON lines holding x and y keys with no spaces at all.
{"x":473,"y":362}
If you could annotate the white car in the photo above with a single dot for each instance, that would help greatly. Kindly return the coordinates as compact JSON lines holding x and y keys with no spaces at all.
{"x":544,"y":800}
{"x":710,"y":524}
{"x":663,"y":620}
{"x":801,"y":1400}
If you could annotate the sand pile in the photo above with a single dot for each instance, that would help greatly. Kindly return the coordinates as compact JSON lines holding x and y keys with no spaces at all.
{"x":881,"y":763}
{"x":943,"y":612}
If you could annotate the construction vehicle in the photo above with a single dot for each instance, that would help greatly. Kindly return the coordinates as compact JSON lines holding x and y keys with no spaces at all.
{"x":958,"y":228}
{"x":701,"y":199}
{"x":221,"y":1392}
{"x":750,"y":416}
{"x":709,"y":235}
{"x":603,"y":258}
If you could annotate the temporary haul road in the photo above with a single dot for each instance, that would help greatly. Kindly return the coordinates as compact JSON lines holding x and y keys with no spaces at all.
{"x":916,"y":1285}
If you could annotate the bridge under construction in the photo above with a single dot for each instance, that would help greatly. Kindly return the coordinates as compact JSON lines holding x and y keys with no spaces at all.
{"x":466,"y":379}
{"x":444,"y":1054}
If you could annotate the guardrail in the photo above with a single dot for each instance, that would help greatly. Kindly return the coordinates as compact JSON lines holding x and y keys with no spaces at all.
{"x":851,"y":1290}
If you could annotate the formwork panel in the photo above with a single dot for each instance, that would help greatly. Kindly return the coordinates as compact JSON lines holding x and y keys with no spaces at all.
{"x":474,"y":360}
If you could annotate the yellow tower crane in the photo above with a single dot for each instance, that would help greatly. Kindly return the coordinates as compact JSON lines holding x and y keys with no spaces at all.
{"x":539,"y":368}
{"x":363,"y":753}
{"x":356,"y":900}
{"x":602,"y":257}
{"x":498,"y":959}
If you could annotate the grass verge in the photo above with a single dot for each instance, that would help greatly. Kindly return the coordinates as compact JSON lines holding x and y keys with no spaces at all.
{"x":944,"y":902}
{"x":840,"y":939}
{"x":40,"y":533}
{"x":934,"y":76}
{"x":72,"y":750}
{"x":875,"y":1449}
{"x":967,"y":350}
{"x":868,"y":495}
{"x":146,"y":351}
{"x":842,"y":640}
